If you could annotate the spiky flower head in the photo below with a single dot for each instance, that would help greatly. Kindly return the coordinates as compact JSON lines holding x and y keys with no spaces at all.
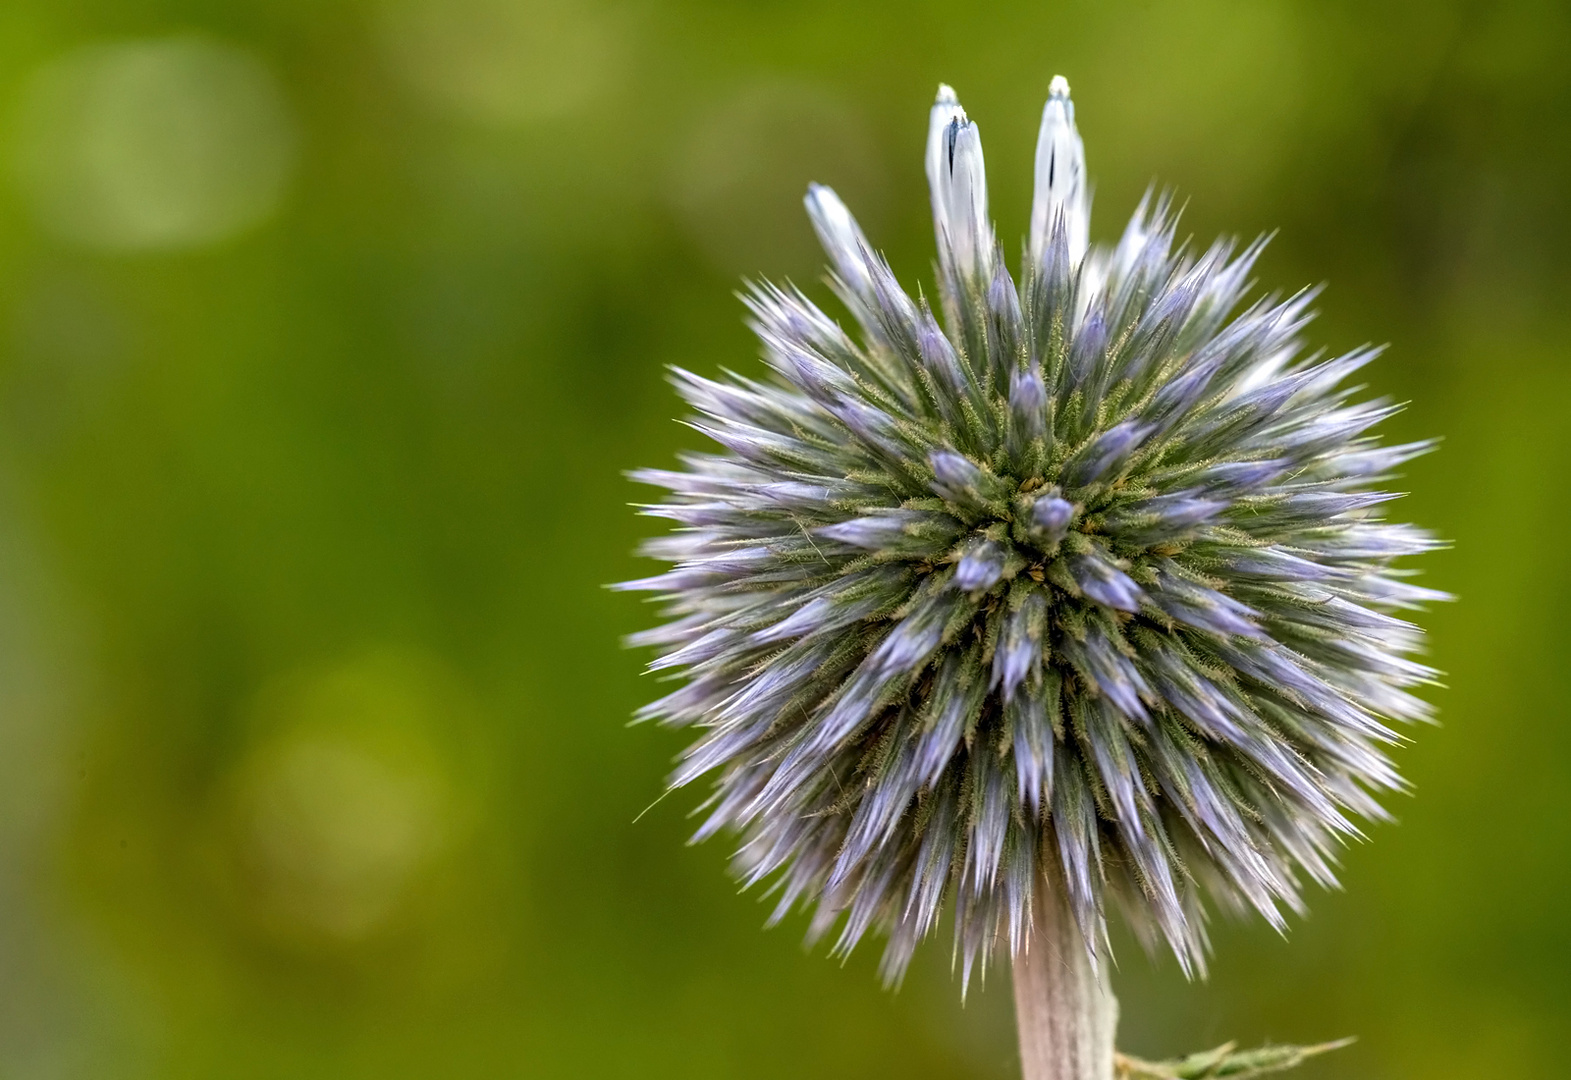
{"x":1076,"y":583}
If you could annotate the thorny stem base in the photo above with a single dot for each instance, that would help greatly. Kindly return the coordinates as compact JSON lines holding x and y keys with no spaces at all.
{"x":1064,"y":1009}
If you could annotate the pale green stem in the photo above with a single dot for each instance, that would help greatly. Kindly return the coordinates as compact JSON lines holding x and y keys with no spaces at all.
{"x":1064,"y":1009}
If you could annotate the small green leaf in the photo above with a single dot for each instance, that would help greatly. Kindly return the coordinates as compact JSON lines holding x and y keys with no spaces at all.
{"x":1224,"y":1061}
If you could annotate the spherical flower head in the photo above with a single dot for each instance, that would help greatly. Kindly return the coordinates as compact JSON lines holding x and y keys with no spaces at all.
{"x":1077,"y":583}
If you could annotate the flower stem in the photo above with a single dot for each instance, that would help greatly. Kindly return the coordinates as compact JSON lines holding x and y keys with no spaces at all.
{"x":1064,"y":1009}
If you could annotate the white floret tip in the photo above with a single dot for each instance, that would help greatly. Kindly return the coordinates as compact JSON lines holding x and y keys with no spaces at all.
{"x":840,"y":236}
{"x":957,"y":179}
{"x":1060,"y":197}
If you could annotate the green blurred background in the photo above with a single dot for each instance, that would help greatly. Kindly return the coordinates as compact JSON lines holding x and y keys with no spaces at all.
{"x":326,"y":329}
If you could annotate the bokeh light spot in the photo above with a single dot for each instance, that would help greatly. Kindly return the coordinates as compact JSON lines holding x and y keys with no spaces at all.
{"x":503,"y":62}
{"x":154,"y":144}
{"x":336,"y":834}
{"x":343,"y":808}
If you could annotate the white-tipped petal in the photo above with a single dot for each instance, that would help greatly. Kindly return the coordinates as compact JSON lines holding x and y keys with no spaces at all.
{"x":957,"y":178}
{"x":841,"y":237}
{"x":946,"y":107}
{"x":1061,"y":189}
{"x":970,"y":233}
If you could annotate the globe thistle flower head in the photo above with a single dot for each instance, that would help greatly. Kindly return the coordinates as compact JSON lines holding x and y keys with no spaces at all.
{"x":1077,"y":582}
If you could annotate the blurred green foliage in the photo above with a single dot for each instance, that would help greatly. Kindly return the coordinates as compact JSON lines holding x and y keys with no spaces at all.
{"x":325,"y":331}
